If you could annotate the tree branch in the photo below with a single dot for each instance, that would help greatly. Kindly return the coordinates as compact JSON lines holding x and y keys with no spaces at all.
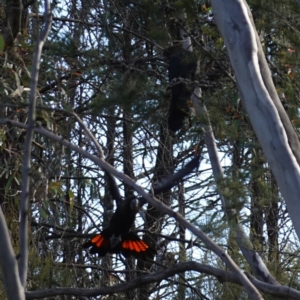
{"x":221,"y":275}
{"x":254,"y":83}
{"x":12,"y":284}
{"x":27,"y":148}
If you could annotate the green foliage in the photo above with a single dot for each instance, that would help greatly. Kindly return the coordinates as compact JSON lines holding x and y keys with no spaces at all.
{"x":234,"y":190}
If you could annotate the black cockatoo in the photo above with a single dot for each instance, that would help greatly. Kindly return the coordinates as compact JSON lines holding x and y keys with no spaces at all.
{"x":182,"y":64}
{"x":118,"y":237}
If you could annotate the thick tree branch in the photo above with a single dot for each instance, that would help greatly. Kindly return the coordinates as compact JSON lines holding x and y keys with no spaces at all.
{"x":292,"y":136}
{"x":234,"y":22}
{"x":221,"y":275}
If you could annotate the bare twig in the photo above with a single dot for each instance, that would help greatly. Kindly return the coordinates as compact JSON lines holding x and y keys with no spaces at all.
{"x":93,"y":24}
{"x":89,"y":134}
{"x":27,"y":148}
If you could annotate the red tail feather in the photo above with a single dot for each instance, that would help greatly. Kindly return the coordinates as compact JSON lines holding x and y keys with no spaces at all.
{"x":130,"y":245}
{"x":133,"y":245}
{"x":99,"y":244}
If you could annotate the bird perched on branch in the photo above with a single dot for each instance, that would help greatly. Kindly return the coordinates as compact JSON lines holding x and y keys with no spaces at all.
{"x":183,"y":64}
{"x":118,"y":237}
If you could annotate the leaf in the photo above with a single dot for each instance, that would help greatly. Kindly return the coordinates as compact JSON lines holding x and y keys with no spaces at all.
{"x":55,"y":188}
{"x":8,"y":183}
{"x":2,"y":43}
{"x":43,"y":212}
{"x":214,"y":215}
